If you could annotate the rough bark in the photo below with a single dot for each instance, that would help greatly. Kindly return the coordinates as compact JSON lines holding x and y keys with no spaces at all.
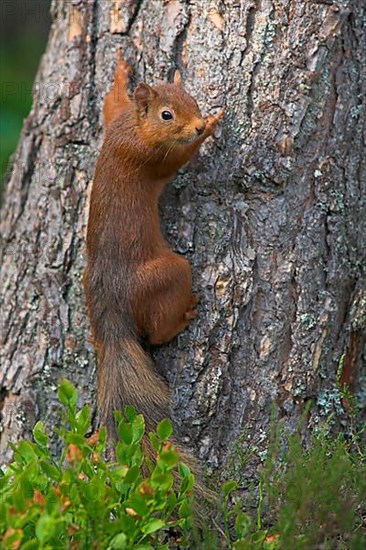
{"x":271,"y":214}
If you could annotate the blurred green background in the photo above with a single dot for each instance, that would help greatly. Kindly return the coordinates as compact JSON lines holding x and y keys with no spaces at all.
{"x":24,"y":27}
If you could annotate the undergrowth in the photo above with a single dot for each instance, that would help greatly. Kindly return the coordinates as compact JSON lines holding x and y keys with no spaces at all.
{"x":307,"y":498}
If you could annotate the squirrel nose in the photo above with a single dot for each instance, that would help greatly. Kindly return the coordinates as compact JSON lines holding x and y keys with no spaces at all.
{"x":200,"y":129}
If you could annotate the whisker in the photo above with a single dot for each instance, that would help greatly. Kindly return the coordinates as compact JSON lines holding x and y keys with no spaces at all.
{"x":169,"y":150}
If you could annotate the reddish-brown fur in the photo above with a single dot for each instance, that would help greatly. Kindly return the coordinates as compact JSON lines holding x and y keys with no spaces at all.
{"x":136,"y":286}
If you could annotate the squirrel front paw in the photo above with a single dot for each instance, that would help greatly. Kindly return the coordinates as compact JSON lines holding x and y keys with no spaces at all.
{"x":123,"y":70}
{"x":212,"y":121}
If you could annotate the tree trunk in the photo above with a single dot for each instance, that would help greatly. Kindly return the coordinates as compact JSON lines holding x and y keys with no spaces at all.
{"x":271,"y":213}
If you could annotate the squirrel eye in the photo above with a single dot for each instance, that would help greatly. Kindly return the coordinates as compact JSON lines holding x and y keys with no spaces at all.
{"x":166,"y":115}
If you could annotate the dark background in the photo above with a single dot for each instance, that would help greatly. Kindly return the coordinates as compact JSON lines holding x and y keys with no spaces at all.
{"x":24,"y":26}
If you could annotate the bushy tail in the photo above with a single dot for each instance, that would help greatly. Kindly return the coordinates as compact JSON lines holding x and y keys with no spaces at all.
{"x":127,"y":377}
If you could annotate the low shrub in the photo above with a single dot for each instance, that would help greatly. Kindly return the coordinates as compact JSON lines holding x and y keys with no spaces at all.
{"x":307,"y":498}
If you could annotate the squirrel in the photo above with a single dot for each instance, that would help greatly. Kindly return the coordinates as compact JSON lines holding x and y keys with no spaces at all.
{"x":136,"y":287}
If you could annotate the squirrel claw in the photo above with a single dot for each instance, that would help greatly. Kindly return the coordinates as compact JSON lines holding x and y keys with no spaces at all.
{"x":219,"y":115}
{"x":122,"y":64}
{"x":212,"y":120}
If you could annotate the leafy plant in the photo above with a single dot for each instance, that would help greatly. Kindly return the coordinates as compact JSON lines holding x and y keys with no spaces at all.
{"x":85,"y":501}
{"x":318,"y":493}
{"x":307,"y":497}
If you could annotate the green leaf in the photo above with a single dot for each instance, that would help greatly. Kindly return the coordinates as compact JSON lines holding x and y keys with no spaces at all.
{"x":118,"y":473}
{"x":168,"y":459}
{"x":162,"y":481}
{"x":83,"y":420}
{"x":187,"y":484}
{"x":138,"y":504}
{"x":93,"y":491}
{"x":118,"y":416}
{"x":130,"y":413}
{"x":138,"y":428}
{"x":30,"y":545}
{"x":67,"y":393}
{"x":132,"y":475}
{"x":154,"y":441}
{"x":102,"y":440}
{"x":228,"y":487}
{"x":152,"y":526}
{"x":121,"y":453}
{"x":258,"y":537}
{"x":87,"y":468}
{"x":172,"y":501}
{"x":76,"y":439}
{"x":26,"y":451}
{"x":39,"y":434}
{"x":242,"y":525}
{"x":45,"y":528}
{"x":185,"y":509}
{"x":125,"y":432}
{"x":52,"y":501}
{"x":119,"y":542}
{"x":183,"y":470}
{"x":164,"y":429}
{"x":50,"y":470}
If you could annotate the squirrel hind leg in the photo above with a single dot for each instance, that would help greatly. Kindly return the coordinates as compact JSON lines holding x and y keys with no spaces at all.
{"x":117,"y":99}
{"x":162,"y":335}
{"x":163,"y":303}
{"x":171,"y":321}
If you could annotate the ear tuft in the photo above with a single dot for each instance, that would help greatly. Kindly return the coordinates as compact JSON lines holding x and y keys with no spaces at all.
{"x":143,"y":95}
{"x":178,"y":79}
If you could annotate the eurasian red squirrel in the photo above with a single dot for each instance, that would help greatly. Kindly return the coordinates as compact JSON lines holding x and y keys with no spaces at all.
{"x":136,"y":286}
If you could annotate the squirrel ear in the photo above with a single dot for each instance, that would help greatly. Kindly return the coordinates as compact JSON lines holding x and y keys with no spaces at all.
{"x":143,"y":95}
{"x":178,"y":79}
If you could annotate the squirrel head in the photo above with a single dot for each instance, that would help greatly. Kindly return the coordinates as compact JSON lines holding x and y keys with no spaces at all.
{"x":167,"y":114}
